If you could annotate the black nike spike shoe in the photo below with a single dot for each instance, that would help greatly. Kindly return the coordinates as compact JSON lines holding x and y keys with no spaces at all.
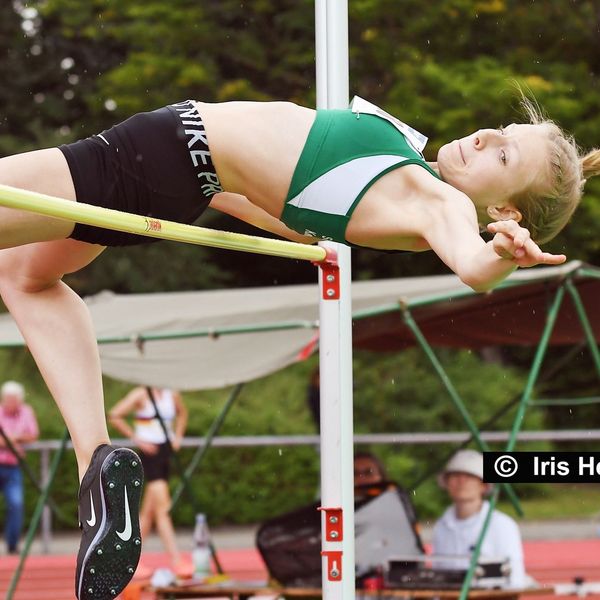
{"x":109,"y":504}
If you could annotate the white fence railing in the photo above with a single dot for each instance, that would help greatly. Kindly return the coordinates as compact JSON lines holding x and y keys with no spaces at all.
{"x":46,"y":447}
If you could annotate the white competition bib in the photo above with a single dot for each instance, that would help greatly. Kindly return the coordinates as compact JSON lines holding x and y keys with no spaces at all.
{"x":415,"y":139}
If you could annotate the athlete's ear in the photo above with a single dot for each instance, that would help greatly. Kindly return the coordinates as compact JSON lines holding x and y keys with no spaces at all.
{"x":504,"y":213}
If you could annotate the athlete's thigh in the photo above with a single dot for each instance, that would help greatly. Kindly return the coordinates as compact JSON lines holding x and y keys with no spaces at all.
{"x":44,"y":171}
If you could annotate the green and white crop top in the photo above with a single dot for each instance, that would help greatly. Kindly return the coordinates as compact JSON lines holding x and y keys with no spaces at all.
{"x":345,"y":153}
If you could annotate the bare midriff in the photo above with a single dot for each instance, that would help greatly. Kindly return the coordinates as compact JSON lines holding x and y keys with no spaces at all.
{"x":255,"y":147}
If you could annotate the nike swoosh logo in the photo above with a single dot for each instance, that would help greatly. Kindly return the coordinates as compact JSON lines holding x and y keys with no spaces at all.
{"x":126,"y":533}
{"x":91,"y":522}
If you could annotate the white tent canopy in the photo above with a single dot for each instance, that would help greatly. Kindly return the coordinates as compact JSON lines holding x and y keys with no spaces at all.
{"x":209,"y":339}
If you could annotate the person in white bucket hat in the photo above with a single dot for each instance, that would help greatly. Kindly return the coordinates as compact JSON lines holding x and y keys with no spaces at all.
{"x":469,"y":462}
{"x":457,"y":531}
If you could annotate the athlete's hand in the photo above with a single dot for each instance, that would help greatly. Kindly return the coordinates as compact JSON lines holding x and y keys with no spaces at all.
{"x":514,"y":243}
{"x":146,"y":447}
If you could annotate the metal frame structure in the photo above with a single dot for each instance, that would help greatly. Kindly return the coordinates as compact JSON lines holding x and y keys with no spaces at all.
{"x":526,"y":398}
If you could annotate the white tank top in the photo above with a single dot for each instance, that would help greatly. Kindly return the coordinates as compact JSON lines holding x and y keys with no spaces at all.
{"x":147,"y":426}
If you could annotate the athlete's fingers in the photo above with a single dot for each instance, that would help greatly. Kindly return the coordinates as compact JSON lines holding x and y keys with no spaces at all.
{"x":511,"y":228}
{"x":522,"y":236}
{"x":501,"y":241}
{"x":504,"y":247}
{"x":544,"y":259}
{"x":553,"y":259}
{"x":529,"y":255}
{"x":508,"y":227}
{"x":530,"y":248}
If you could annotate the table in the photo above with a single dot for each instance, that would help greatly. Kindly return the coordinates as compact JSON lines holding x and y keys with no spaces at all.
{"x":242,"y":592}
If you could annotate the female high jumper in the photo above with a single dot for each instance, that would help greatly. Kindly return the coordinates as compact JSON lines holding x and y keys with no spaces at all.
{"x":356,"y":176}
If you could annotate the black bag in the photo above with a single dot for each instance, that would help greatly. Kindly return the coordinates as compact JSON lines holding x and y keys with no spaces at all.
{"x":385,"y":525}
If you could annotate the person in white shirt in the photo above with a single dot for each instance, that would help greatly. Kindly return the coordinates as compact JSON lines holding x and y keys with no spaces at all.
{"x":457,"y":531}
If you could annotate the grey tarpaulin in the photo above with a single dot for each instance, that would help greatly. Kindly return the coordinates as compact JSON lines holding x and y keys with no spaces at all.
{"x":211,"y":357}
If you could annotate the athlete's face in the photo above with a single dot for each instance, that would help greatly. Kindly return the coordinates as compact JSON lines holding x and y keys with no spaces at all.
{"x":464,"y":487}
{"x":491,"y":166}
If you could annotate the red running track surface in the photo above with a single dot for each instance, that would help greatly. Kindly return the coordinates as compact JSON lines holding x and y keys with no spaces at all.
{"x":52,"y":577}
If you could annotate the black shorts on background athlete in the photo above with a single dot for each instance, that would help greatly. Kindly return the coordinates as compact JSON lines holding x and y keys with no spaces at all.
{"x":157,"y":466}
{"x":155,"y":164}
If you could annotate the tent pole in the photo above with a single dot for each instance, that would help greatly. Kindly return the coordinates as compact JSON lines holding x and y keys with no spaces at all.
{"x":335,"y":346}
{"x":202,"y":450}
{"x":455,"y":397}
{"x":585,"y":323}
{"x":591,"y":272}
{"x":565,"y":401}
{"x":535,"y":367}
{"x":464,"y":591}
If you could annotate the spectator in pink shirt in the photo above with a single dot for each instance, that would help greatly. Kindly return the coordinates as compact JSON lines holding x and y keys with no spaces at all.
{"x":19,"y":425}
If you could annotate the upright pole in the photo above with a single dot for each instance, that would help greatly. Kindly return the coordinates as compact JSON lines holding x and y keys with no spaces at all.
{"x":335,"y":347}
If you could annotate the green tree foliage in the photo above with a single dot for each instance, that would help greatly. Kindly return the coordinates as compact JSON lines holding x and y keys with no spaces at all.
{"x":36,"y":95}
{"x":448,"y":67}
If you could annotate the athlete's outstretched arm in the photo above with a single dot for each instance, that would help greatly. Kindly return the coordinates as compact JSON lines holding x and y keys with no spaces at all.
{"x":453,"y":234}
{"x":240,"y":207}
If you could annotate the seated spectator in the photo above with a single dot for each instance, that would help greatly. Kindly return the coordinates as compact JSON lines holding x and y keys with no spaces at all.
{"x":369,"y":474}
{"x":457,"y":532}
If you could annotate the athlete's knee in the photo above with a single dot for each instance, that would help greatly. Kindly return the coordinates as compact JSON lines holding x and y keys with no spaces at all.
{"x":162,"y":512}
{"x":162,"y":505}
{"x":13,"y":289}
{"x":18,"y":275}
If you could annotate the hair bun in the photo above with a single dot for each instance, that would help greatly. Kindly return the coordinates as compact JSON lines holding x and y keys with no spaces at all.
{"x":590,"y":163}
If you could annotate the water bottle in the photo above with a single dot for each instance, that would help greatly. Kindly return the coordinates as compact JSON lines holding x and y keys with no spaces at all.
{"x":201,"y":553}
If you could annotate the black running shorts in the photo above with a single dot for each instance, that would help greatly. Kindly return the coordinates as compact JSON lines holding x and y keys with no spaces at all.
{"x":157,"y":466}
{"x":155,"y":164}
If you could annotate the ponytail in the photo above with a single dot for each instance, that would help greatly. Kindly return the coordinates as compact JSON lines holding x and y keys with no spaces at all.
{"x":545,"y":212}
{"x":590,"y":163}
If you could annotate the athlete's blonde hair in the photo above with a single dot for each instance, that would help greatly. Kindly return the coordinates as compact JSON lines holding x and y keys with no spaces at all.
{"x":546,"y":213}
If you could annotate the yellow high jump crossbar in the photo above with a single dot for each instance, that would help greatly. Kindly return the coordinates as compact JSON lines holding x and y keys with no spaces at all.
{"x":107,"y":218}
